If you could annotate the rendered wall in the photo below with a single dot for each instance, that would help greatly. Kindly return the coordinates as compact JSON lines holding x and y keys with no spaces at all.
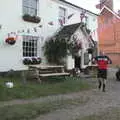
{"x":11,"y":21}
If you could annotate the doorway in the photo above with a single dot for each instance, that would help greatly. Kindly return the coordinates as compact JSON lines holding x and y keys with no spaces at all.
{"x":78,"y":62}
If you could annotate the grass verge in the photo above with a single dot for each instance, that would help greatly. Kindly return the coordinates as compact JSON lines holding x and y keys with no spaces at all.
{"x":35,"y":90}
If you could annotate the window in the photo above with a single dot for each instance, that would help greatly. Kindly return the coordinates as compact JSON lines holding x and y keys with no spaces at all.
{"x":30,"y":46}
{"x":62,"y":14}
{"x":30,"y":7}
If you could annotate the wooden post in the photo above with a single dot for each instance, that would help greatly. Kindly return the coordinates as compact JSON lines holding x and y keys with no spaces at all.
{"x":23,"y":74}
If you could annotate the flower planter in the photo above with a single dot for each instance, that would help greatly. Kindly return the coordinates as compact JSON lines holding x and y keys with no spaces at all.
{"x":34,"y":19}
{"x":27,"y":61}
{"x":39,"y":60}
{"x":31,"y":61}
{"x":10,"y":40}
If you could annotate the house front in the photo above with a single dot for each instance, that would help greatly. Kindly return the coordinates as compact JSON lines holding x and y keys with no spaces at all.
{"x":25,"y":25}
{"x":109,"y":34}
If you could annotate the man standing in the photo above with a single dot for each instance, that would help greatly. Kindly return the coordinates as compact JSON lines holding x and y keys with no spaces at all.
{"x":102,"y":62}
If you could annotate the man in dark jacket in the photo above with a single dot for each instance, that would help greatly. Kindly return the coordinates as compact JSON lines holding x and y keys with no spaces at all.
{"x":102,"y":62}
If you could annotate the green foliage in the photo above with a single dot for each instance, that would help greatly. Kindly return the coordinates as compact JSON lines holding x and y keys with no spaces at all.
{"x":34,"y":90}
{"x":55,"y":50}
{"x":32,"y":110}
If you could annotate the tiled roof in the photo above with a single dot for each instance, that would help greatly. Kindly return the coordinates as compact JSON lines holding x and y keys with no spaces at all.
{"x":69,"y":30}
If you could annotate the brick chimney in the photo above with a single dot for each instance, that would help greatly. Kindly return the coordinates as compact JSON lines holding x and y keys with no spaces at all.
{"x":108,"y":3}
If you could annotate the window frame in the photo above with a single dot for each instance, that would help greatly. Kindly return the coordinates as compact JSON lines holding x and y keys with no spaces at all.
{"x":30,"y":8}
{"x":30,"y":46}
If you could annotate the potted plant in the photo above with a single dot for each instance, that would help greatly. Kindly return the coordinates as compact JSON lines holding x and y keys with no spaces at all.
{"x":10,"y":40}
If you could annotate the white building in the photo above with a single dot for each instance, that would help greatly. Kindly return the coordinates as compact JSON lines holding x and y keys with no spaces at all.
{"x":31,"y":32}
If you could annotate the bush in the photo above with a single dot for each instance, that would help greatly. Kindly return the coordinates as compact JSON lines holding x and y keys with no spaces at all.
{"x":55,"y":50}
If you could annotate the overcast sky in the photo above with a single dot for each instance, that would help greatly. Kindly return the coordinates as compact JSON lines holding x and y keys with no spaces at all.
{"x":90,"y":4}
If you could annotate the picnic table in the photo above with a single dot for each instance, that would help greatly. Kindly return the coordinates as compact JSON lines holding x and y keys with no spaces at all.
{"x":48,"y":71}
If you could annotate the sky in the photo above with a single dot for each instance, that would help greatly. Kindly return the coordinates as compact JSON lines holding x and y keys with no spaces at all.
{"x":90,"y":4}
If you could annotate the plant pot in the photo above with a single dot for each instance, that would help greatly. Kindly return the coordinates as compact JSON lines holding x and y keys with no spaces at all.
{"x":29,"y":18}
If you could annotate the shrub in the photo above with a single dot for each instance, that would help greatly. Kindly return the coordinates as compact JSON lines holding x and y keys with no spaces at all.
{"x":55,"y":50}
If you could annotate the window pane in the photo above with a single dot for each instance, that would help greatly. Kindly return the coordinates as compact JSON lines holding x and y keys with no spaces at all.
{"x":30,"y":7}
{"x":25,"y":2}
{"x":29,"y":46}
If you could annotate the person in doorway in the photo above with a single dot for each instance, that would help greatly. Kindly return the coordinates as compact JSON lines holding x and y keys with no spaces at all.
{"x":77,"y":65}
{"x":102,"y":62}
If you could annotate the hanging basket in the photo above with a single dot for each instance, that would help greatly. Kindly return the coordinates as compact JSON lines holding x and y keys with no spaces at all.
{"x":10,"y":40}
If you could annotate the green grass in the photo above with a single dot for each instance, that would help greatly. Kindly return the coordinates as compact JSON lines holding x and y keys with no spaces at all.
{"x":110,"y":114}
{"x":31,"y":111}
{"x":34,"y":90}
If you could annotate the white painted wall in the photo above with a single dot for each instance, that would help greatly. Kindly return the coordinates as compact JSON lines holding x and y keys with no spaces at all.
{"x":11,"y":20}
{"x":85,"y":45}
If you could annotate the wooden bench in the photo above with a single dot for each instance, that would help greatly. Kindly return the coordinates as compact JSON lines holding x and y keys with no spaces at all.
{"x":54,"y":74}
{"x":41,"y":71}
